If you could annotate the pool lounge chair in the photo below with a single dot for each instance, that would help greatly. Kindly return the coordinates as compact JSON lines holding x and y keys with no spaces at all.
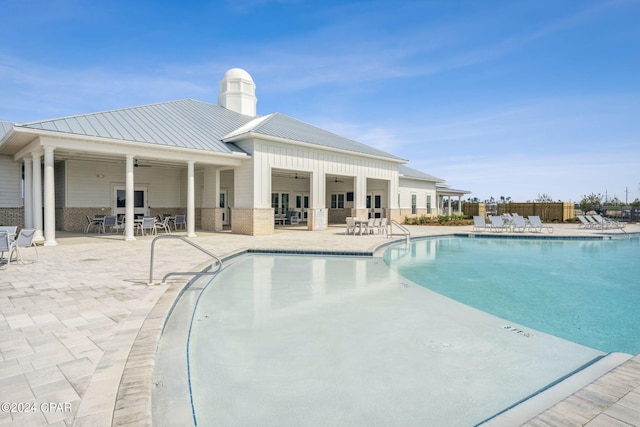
{"x":497,"y":224}
{"x":535,"y":224}
{"x":606,"y":223}
{"x":585,"y":223}
{"x":479,"y":223}
{"x":518,"y":224}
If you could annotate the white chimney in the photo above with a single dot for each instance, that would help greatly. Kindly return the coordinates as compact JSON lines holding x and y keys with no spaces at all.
{"x":238,"y":92}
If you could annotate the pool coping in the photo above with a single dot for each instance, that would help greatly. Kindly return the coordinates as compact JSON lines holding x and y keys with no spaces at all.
{"x":133,"y":401}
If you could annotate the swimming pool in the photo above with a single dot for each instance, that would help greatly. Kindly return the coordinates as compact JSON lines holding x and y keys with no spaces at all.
{"x":320,"y":341}
{"x":585,"y":291}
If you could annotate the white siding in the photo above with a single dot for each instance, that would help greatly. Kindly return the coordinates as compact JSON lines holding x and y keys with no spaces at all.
{"x":90,"y":184}
{"x":10,"y":183}
{"x":321,"y":164}
{"x":420,"y":189}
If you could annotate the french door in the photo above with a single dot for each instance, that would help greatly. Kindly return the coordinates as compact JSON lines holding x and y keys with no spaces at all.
{"x":140,"y":200}
{"x":280,"y":203}
{"x":223,"y":204}
{"x":375,"y":208}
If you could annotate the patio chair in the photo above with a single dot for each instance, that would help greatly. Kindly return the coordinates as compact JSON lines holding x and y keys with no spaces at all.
{"x":164,"y":224}
{"x":370,"y":228}
{"x":497,"y":224}
{"x":147,"y":224}
{"x":535,"y":224}
{"x":109,"y":222}
{"x":351,"y":226}
{"x":180,"y":221}
{"x":5,"y":246}
{"x":479,"y":224}
{"x":92,"y":223}
{"x":382,"y":226}
{"x":11,"y":230}
{"x":24,"y":240}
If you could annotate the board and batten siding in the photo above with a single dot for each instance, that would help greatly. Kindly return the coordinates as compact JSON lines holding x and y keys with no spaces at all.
{"x":90,"y":184}
{"x":320,"y":163}
{"x":420,"y":189}
{"x":10,"y":183}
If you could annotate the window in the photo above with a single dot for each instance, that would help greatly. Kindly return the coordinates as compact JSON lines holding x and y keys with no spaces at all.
{"x":337,"y":201}
{"x":274,"y":201}
{"x":428,"y":203}
{"x":138,"y":199}
{"x":414,"y":204}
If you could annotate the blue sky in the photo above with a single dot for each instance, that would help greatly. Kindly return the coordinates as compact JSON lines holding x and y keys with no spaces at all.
{"x":508,"y":98}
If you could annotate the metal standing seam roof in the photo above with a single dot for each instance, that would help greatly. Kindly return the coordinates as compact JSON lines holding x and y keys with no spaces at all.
{"x":282,"y":126}
{"x":184,"y":123}
{"x":192,"y":124}
{"x":409,"y":172}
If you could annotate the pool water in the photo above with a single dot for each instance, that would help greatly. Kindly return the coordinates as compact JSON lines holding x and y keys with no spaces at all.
{"x":346,"y":341}
{"x":585,"y":291}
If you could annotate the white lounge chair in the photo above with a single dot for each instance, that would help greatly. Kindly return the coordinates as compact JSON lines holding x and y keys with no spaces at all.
{"x":584,"y":222}
{"x":606,"y":223}
{"x":497,"y":224}
{"x":479,"y":223}
{"x":535,"y":224}
{"x":518,"y":223}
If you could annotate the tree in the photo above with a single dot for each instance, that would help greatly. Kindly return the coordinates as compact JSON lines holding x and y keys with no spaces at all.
{"x":545,"y":200}
{"x":591,"y":202}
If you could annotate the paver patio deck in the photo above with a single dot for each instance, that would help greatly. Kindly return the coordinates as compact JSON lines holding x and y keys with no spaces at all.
{"x":79,"y":327}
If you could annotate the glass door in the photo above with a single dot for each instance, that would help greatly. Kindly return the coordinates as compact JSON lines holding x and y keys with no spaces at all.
{"x":223,"y":204}
{"x":140,"y":201}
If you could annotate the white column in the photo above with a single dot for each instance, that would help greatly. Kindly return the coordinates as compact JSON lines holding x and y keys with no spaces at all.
{"x":28,"y":193}
{"x":37,"y":197}
{"x":360,"y":189}
{"x":129,"y":200}
{"x":459,"y":205}
{"x":49,"y":199}
{"x":191,"y":200}
{"x":449,"y":207}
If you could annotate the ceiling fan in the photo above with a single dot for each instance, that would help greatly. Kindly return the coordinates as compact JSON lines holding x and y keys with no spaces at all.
{"x":337,"y":180}
{"x":136,"y":165}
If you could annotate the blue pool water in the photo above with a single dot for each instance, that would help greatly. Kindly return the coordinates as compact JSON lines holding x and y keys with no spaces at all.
{"x":585,"y":291}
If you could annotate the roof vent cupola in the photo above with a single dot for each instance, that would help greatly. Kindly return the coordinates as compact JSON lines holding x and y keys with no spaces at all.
{"x":238,"y":92}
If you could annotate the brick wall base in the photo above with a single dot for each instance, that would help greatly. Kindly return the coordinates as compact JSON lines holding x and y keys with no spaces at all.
{"x":12,"y":216}
{"x":211,"y":219}
{"x":253,"y":222}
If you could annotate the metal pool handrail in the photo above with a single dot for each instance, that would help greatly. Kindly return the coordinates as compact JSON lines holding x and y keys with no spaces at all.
{"x":183,"y":273}
{"x":404,"y":229}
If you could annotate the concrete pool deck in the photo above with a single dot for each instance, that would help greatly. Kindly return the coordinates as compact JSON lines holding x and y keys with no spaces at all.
{"x":74,"y":349}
